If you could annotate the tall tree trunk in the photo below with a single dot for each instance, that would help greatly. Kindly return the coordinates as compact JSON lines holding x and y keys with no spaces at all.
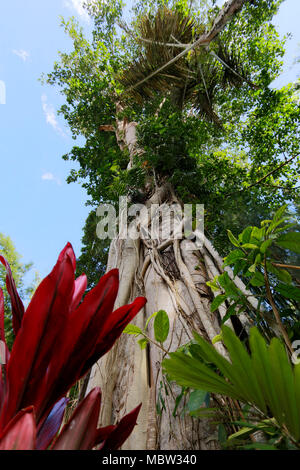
{"x":172,"y":275}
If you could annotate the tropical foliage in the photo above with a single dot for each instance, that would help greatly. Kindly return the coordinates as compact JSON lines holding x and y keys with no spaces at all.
{"x":19,"y":271}
{"x":234,"y":168}
{"x":62,"y":337}
{"x":266,"y":379}
{"x":199,"y":92}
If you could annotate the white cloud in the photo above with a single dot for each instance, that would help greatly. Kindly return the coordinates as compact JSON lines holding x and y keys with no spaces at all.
{"x":50,"y":177}
{"x":49,"y":112}
{"x":77,"y":5}
{"x":24,"y":55}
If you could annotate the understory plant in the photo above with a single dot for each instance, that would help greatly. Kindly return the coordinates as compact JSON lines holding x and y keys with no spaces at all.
{"x":57,"y":340}
{"x":259,"y":380}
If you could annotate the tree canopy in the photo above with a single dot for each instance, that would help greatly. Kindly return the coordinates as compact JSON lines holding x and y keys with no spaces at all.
{"x":210,"y":122}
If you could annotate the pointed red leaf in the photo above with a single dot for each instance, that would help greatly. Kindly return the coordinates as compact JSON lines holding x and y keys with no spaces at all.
{"x":80,"y":337}
{"x":51,"y":425}
{"x":16,"y":303}
{"x":4,"y":352}
{"x":41,"y":328}
{"x":2,"y":333}
{"x":79,"y":290}
{"x":122,"y":431}
{"x":112,"y":329}
{"x":79,"y":433}
{"x":68,"y":252}
{"x":102,"y":434}
{"x":20,"y":433}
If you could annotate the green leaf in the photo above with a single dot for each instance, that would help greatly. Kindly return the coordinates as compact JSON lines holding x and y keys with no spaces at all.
{"x":244,"y":237}
{"x":265,"y":245}
{"x":285,"y":227}
{"x":252,"y":268}
{"x":244,"y":377}
{"x":178,"y":400}
{"x":258,"y":259}
{"x":214,"y":284}
{"x":242,"y":432}
{"x":232,"y":238}
{"x":143,"y":342}
{"x":274,"y":224}
{"x":282,"y":274}
{"x":283,"y":381}
{"x":257,"y":280}
{"x":150,"y":318}
{"x":250,"y":246}
{"x":240,"y":265}
{"x":262,"y":368}
{"x":230,"y":311}
{"x":218,"y":301}
{"x":228,"y":285}
{"x":290,"y":241}
{"x":190,"y":372}
{"x":288,"y":291}
{"x":217,"y":338}
{"x":233,"y":256}
{"x":132,"y":330}
{"x":161,"y":326}
{"x":222,"y":435}
{"x":257,"y":233}
{"x":279,"y":213}
{"x":196,"y":400}
{"x":265,"y":222}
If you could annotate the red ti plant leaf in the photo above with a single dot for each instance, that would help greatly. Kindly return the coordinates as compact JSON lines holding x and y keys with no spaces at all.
{"x":16,"y":303}
{"x":79,"y":290}
{"x":4,"y":352}
{"x":41,"y":326}
{"x":2,"y":332}
{"x":2,"y":348}
{"x":58,"y":340}
{"x":103,"y":433}
{"x":51,"y":425}
{"x":20,"y":433}
{"x":122,"y":431}
{"x":80,"y":431}
{"x":81,"y":331}
{"x":112,"y":329}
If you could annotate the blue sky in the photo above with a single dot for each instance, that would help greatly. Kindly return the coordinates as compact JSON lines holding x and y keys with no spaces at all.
{"x":39,"y":210}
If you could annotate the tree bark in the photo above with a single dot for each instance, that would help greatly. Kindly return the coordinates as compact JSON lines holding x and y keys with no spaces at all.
{"x":172,"y":275}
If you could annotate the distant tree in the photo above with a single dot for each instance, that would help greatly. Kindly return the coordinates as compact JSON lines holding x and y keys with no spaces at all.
{"x":94,"y":252}
{"x":19,"y":270}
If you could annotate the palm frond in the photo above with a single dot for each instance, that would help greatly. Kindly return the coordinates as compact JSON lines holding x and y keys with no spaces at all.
{"x":160,"y":36}
{"x":192,"y":77}
{"x":265,"y":379}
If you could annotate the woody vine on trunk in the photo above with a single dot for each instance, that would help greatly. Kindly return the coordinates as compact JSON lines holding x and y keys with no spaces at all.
{"x":159,"y":102}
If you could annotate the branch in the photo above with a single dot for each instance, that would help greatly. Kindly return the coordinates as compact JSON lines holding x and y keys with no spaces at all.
{"x":267,"y":175}
{"x":244,"y":79}
{"x":273,"y":171}
{"x":287,"y":266}
{"x":229,"y":9}
{"x":151,"y":41}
